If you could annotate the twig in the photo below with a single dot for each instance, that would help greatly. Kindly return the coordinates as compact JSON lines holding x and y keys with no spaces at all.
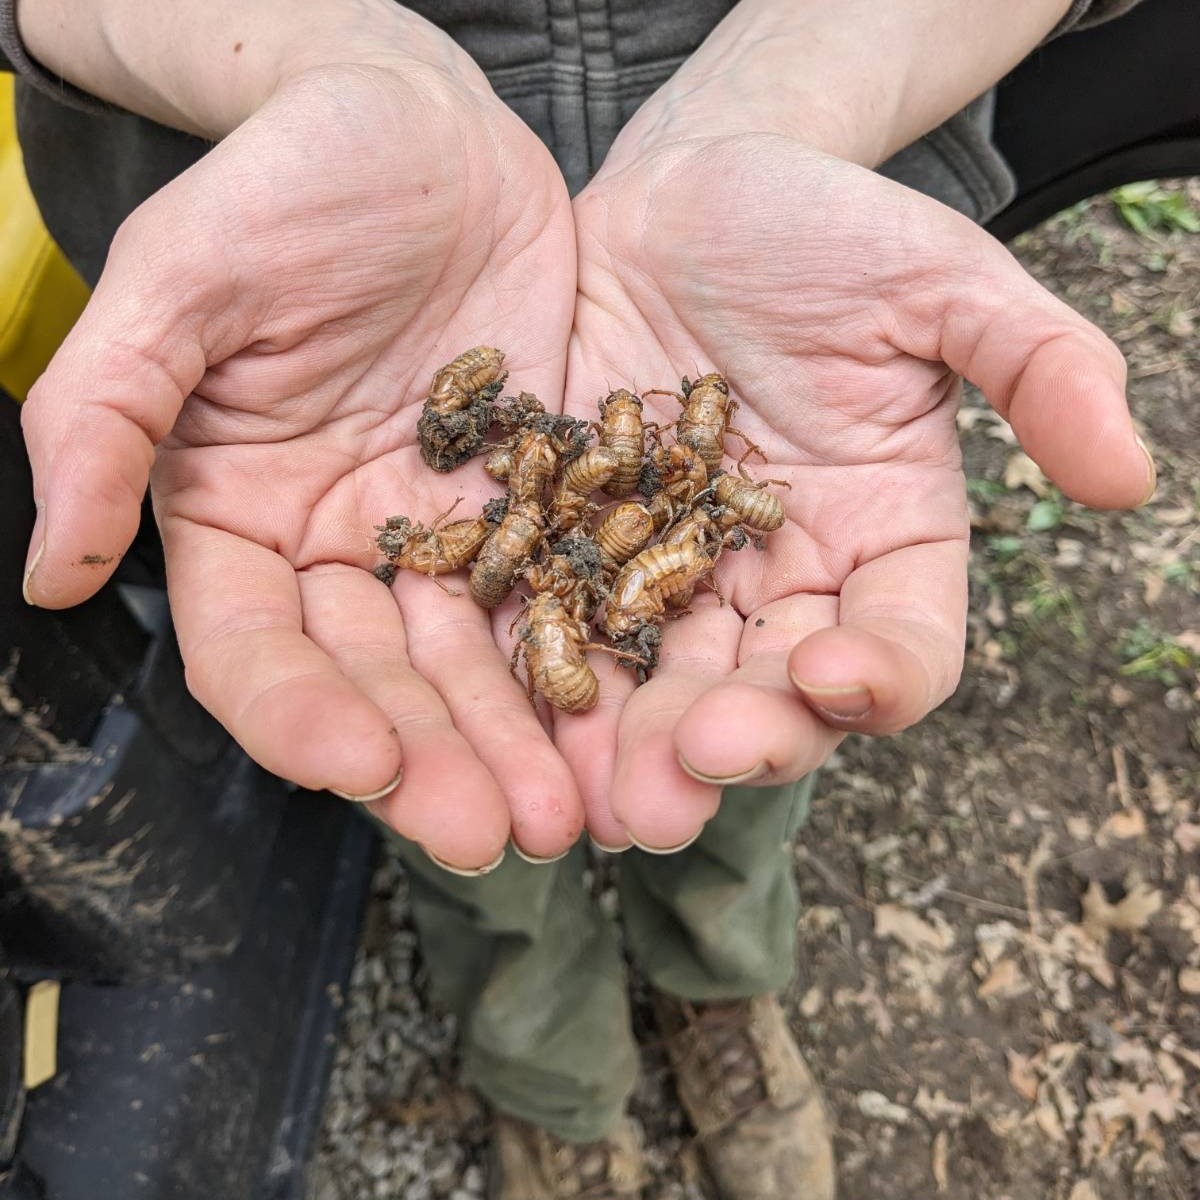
{"x":1121,"y":774}
{"x":832,"y":879}
{"x":992,"y":906}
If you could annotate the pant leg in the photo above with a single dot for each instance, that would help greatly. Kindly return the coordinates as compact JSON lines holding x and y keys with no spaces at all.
{"x":717,"y":921}
{"x":532,"y":969}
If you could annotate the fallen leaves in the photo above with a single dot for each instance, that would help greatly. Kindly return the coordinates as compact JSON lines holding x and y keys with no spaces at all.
{"x":1132,"y":912}
{"x":875,"y":1106}
{"x":911,"y":931}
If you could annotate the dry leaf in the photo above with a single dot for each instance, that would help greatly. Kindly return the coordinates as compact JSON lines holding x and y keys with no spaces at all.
{"x":1077,"y":944}
{"x":1128,"y":823}
{"x":1150,"y":1163}
{"x":994,"y":937}
{"x":1153,"y":586}
{"x":1021,"y":471}
{"x":812,"y":1003}
{"x":1190,"y":1144}
{"x":1080,"y":828}
{"x":1129,"y":1052}
{"x":938,"y":1160}
{"x":1189,"y":981}
{"x":877,"y":1107}
{"x":909,"y":930}
{"x":1068,"y":553}
{"x":1083,"y":1191}
{"x":1049,"y":1122}
{"x":1142,"y":1103}
{"x":1004,"y":980}
{"x":939,"y":1106}
{"x":1162,"y":799}
{"x":1023,"y":1076}
{"x":1180,"y":323}
{"x":1132,"y":912}
{"x":1187,"y":836}
{"x":1172,"y":516}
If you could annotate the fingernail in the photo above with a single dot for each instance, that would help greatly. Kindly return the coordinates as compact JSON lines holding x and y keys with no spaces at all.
{"x":38,"y":539}
{"x":467,"y":872}
{"x":379,"y":795}
{"x":610,"y":849}
{"x":724,"y":780}
{"x":667,"y":849}
{"x":1152,"y":486}
{"x":841,"y":703}
{"x":535,"y":860}
{"x":37,"y":558}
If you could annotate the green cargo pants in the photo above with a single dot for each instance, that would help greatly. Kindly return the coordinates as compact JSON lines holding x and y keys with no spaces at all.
{"x":533,"y":971}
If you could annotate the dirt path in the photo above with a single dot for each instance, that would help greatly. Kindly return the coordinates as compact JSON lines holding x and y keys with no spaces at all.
{"x":999,"y":978}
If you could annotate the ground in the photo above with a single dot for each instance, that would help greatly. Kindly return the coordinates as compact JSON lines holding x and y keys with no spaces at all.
{"x":999,"y":979}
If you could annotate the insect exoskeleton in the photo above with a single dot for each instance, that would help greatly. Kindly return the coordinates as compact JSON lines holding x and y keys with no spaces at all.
{"x":581,"y":477}
{"x":624,"y":532}
{"x":458,"y":410}
{"x":622,"y":432}
{"x":460,"y":380}
{"x":700,"y":528}
{"x":704,"y":422}
{"x":681,"y":470}
{"x":534,"y":461}
{"x":506,"y":552}
{"x":749,"y":503}
{"x":675,"y":568}
{"x":499,"y":463}
{"x":574,"y":573}
{"x":554,"y":645}
{"x":636,"y":607}
{"x":438,"y":550}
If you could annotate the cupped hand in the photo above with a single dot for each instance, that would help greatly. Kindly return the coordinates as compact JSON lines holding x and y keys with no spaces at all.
{"x":843,"y":309}
{"x":259,"y":346}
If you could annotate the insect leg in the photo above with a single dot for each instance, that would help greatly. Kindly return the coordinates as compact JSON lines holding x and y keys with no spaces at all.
{"x":751,"y":448}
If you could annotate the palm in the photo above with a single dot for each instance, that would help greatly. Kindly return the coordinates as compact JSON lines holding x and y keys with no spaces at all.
{"x":343,"y":244}
{"x":821,"y":291}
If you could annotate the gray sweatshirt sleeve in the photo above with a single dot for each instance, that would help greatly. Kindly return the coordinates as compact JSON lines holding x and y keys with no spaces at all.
{"x":14,"y":57}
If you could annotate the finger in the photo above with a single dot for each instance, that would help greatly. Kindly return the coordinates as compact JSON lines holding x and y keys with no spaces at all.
{"x":1054,"y":376}
{"x":748,"y":727}
{"x":451,"y":644}
{"x":238,"y":615}
{"x":897,"y":650}
{"x":662,"y":807}
{"x":588,"y":743}
{"x":108,"y":397}
{"x":447,"y":800}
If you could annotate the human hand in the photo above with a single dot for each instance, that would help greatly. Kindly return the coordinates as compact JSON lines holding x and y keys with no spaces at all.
{"x":259,"y":346}
{"x":842,"y":308}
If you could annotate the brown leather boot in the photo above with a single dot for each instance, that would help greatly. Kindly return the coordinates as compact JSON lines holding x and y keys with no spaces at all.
{"x":528,"y":1163}
{"x":757,"y":1110}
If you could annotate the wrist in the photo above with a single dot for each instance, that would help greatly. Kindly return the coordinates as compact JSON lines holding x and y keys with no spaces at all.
{"x":206,"y":67}
{"x":857,"y":80}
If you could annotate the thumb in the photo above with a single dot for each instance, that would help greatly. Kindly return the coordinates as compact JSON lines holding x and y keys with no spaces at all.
{"x":111,"y":393}
{"x":1053,"y":376}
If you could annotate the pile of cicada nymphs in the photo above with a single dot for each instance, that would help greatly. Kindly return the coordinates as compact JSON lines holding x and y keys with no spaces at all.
{"x":627,"y":565}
